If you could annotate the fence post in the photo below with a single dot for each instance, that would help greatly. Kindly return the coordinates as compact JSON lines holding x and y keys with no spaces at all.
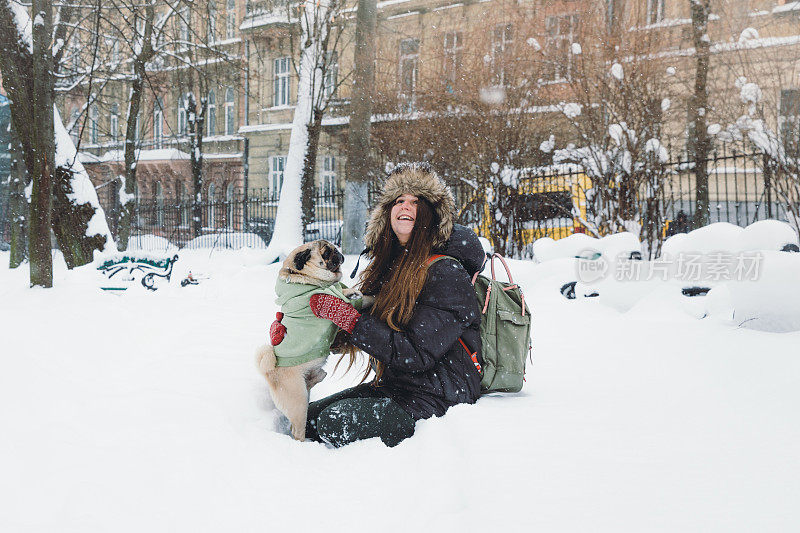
{"x":246,"y":176}
{"x":768,"y":184}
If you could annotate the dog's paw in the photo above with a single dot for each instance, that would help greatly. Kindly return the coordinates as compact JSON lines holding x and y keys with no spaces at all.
{"x":353,"y":294}
{"x":265,"y":359}
{"x":367,"y":301}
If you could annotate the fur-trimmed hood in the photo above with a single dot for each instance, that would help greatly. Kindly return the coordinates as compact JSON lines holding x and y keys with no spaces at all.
{"x":421,"y":181}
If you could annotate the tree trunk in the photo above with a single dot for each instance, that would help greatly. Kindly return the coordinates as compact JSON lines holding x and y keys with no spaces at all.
{"x":43,"y":169}
{"x":356,"y":202}
{"x":698,"y":108}
{"x":288,"y":232}
{"x":18,"y":207}
{"x":128,"y":199}
{"x":196,"y":125}
{"x":310,"y":168}
{"x":27,"y":67}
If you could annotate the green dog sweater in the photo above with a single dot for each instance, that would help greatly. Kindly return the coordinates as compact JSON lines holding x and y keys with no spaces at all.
{"x":307,"y":337}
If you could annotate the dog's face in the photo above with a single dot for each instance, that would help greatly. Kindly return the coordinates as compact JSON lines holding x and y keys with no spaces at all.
{"x":316,"y":263}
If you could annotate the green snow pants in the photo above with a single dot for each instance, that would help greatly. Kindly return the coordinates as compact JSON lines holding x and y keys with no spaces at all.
{"x":362,"y":412}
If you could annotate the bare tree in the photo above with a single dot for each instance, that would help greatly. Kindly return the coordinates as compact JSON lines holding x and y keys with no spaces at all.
{"x":315,"y":60}
{"x":698,"y":106}
{"x":358,"y":139}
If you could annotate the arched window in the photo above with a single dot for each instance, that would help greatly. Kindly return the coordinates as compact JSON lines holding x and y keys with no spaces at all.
{"x":113,"y":122}
{"x":211,"y":110}
{"x":159,"y":204}
{"x":158,"y":122}
{"x":75,"y":128}
{"x":230,"y":119}
{"x":212,"y":21}
{"x":230,"y":27}
{"x":183,"y":206}
{"x":183,"y":125}
{"x":183,"y":18}
{"x":137,"y":217}
{"x":229,"y":205}
{"x":212,"y":223}
{"x":93,"y":117}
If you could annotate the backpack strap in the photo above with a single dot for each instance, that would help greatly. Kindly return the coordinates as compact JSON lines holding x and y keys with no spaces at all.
{"x":510,"y":279}
{"x":438,"y":257}
{"x":472,"y":355}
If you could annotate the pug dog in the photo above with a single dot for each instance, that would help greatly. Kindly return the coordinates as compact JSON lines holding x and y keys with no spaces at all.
{"x":294,"y":366}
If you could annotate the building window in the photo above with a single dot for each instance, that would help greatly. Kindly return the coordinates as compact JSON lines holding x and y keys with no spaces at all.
{"x":281,"y":85}
{"x":229,"y":206}
{"x":561,"y":31}
{"x":73,"y":55}
{"x":329,"y":179}
{"x":453,"y":48}
{"x":789,"y":120}
{"x":211,"y":219}
{"x":212,"y":21}
{"x":275,"y":180}
{"x":159,"y":204}
{"x":75,"y":129}
{"x":655,"y":11}
{"x":230,"y":116}
{"x":502,"y":38}
{"x":113,"y":44}
{"x":211,"y":110}
{"x":158,"y":123}
{"x":331,"y":75}
{"x":408,"y":71}
{"x":183,"y":204}
{"x":183,"y":125}
{"x":230,"y":26}
{"x":93,"y":118}
{"x":113,"y":122}
{"x":183,"y":24}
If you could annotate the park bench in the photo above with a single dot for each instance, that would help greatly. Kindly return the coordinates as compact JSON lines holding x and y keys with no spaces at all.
{"x":150,"y":268}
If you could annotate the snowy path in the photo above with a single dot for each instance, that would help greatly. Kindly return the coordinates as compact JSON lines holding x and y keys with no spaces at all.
{"x":143,"y":412}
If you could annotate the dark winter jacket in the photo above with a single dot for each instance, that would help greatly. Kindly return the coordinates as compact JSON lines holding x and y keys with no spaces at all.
{"x":426,"y":368}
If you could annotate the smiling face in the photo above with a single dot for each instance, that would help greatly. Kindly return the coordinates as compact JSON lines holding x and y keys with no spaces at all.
{"x":403,"y":216}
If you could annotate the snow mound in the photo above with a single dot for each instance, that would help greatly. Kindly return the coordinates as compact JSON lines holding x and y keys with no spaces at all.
{"x":610,"y":247}
{"x":771,"y":302}
{"x":230,"y":240}
{"x":761,"y":235}
{"x":152,"y":243}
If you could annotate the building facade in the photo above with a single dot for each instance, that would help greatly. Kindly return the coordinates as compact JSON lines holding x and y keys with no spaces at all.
{"x":427,"y":51}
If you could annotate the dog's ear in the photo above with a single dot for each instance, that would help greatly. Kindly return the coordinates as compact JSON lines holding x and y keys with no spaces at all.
{"x":301,"y":258}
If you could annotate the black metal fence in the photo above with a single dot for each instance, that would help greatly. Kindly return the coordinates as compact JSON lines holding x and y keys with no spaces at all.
{"x":235,"y":221}
{"x":553,"y":201}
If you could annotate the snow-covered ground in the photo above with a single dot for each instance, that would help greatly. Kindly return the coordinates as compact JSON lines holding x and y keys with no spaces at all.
{"x":140,"y":411}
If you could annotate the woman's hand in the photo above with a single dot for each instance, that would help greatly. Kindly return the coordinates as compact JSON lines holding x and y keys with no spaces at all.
{"x":336,"y":310}
{"x":277,"y":331}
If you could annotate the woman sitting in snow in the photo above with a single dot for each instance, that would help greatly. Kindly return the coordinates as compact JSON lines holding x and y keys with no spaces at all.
{"x":424,"y":325}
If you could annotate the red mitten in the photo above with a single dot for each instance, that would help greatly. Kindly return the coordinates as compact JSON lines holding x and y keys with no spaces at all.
{"x":277,"y":331}
{"x":336,"y":310}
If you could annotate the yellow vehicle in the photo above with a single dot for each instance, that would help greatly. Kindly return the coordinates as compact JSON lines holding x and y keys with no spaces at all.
{"x":550,"y":203}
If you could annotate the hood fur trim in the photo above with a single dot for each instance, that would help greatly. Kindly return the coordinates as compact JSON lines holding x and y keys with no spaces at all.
{"x":421,"y":181}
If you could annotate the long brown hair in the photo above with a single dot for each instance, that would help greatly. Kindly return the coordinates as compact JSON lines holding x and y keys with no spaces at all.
{"x":396,"y":274}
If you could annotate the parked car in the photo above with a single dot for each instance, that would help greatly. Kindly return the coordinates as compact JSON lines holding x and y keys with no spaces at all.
{"x":263,"y":227}
{"x":330,"y":230}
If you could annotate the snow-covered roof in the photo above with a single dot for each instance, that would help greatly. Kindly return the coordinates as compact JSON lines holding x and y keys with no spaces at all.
{"x":789,"y":6}
{"x":160,"y":154}
{"x":279,"y":16}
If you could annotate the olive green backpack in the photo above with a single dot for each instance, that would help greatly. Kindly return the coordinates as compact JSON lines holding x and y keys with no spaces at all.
{"x":505,"y":330}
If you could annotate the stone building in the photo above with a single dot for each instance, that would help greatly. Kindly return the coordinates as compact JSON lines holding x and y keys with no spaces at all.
{"x":423,"y":45}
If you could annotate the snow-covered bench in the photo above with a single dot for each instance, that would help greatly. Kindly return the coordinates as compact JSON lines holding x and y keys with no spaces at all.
{"x":150,"y":267}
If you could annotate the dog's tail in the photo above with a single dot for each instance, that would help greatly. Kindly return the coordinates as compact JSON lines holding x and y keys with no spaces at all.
{"x":265,"y":359}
